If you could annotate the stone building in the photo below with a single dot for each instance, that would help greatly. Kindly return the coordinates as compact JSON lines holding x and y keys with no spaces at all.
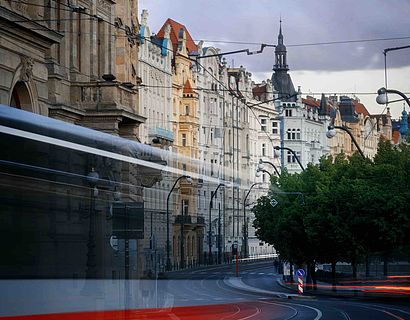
{"x":367,"y":129}
{"x":188,"y":227}
{"x":211,"y":106}
{"x":77,"y":61}
{"x":155,"y":100}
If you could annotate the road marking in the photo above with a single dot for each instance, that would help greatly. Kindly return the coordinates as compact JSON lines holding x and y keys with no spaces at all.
{"x":284,"y":305}
{"x":319,"y":313}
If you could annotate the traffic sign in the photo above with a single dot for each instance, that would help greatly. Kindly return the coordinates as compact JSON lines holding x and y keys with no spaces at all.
{"x":301,"y":272}
{"x":273,"y":202}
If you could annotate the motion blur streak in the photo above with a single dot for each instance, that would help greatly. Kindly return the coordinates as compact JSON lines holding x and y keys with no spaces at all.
{"x":395,"y":277}
{"x":365,"y":288}
{"x":237,"y":311}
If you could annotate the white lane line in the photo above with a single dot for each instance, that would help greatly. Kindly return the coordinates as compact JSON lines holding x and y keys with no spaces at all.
{"x":383,"y":311}
{"x":345,"y":314}
{"x":284,"y":305}
{"x":318,"y":312}
{"x":238,"y":309}
{"x":258,"y":310}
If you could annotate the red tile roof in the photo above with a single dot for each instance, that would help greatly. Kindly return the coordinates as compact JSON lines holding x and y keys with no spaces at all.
{"x":311,"y":102}
{"x":360,"y":108}
{"x":175,"y":27}
{"x":188,"y":87}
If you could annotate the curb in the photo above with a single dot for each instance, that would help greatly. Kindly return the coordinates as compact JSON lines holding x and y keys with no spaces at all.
{"x":240,"y":285}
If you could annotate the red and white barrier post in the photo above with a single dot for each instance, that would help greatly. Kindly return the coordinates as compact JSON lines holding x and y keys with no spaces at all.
{"x":300,"y":273}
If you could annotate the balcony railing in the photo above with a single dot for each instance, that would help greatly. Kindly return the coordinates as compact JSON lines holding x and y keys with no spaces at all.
{"x":161,"y":133}
{"x":187,"y":219}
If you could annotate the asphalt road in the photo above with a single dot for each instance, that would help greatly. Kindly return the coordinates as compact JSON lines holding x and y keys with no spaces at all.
{"x":210,"y":293}
{"x":257,"y":295}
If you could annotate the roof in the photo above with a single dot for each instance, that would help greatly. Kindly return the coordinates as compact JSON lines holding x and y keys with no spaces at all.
{"x":360,"y":108}
{"x":283,"y":84}
{"x":175,"y":27}
{"x":259,"y":90}
{"x":311,"y":102}
{"x":188,"y":87}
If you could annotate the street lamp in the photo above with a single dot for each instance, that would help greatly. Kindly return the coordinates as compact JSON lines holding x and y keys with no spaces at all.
{"x":383,"y":99}
{"x":293,"y":152}
{"x":210,"y":218}
{"x":331,"y":132}
{"x":189,"y":180}
{"x":259,"y":172}
{"x":261,"y":166}
{"x":245,"y":226}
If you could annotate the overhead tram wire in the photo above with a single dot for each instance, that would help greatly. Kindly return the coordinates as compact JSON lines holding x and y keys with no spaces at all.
{"x":312,"y":43}
{"x":82,"y":11}
{"x":71,"y":8}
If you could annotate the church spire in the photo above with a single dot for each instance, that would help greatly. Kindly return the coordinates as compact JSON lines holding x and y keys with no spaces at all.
{"x":280,"y":52}
{"x":281,"y":81}
{"x":280,"y":36}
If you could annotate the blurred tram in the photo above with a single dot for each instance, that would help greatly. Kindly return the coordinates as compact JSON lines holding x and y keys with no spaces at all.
{"x":71,"y":215}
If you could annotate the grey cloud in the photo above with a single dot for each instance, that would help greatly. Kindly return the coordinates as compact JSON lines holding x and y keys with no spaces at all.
{"x":303,"y":22}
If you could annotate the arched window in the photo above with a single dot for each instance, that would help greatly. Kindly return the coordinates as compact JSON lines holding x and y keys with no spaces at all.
{"x":20,"y":97}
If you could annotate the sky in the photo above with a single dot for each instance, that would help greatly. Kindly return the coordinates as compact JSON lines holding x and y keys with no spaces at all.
{"x":352,"y":68}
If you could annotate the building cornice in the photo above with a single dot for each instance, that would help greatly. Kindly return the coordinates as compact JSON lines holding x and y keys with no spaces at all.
{"x":23,"y":27}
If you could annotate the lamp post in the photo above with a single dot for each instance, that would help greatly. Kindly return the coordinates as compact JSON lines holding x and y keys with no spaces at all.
{"x":258,"y":172}
{"x":383,"y":99}
{"x":261,"y":166}
{"x":210,"y":218}
{"x":245,"y":226}
{"x":189,"y":180}
{"x":294,"y":154}
{"x":331,"y":132}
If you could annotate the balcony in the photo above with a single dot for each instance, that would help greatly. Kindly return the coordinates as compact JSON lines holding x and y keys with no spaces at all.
{"x":189,"y":220}
{"x":161,"y":133}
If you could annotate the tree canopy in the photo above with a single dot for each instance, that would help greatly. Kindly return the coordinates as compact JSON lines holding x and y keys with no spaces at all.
{"x":341,"y":209}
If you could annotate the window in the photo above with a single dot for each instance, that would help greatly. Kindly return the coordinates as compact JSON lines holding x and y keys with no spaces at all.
{"x":212,"y":167}
{"x":289,"y":134}
{"x":187,"y":110}
{"x":263,"y":149}
{"x":185,"y":206}
{"x":274,"y":127}
{"x":291,"y":157}
{"x":288,"y":113}
{"x":263,"y":124}
{"x":184,"y":139}
{"x":184,"y":166}
{"x":298,"y":134}
{"x":212,"y":135}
